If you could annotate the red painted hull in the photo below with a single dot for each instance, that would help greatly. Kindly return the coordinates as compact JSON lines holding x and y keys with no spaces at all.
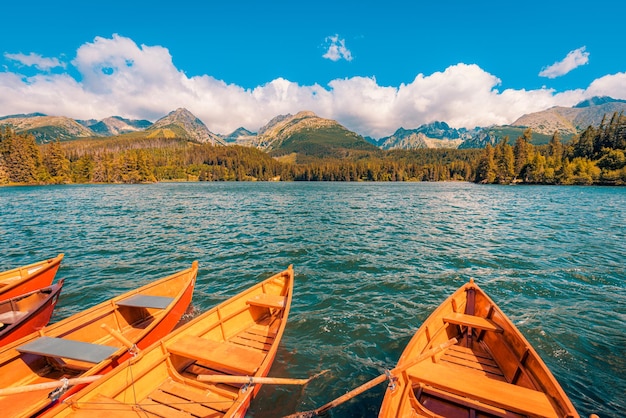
{"x":37,"y":312}
{"x":164,"y":327}
{"x":143,"y":325}
{"x":238,"y":338}
{"x":28,"y":278}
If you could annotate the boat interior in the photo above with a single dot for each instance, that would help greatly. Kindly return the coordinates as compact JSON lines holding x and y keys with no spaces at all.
{"x":237,"y":342}
{"x":486,"y":374}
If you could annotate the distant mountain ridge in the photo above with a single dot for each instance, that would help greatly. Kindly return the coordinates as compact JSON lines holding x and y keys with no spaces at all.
{"x":183,"y":123}
{"x":115,"y":125}
{"x":597,"y":101}
{"x":240,"y":136}
{"x":571,"y":120}
{"x":282,"y":127}
{"x":307,"y":130}
{"x":432,"y":135}
{"x":47,"y":128}
{"x":22,"y":115}
{"x":308,"y":134}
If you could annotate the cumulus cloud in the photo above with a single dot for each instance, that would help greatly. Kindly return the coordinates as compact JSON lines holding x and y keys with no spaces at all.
{"x":119,"y":77}
{"x":574,"y":59}
{"x":613,"y":85}
{"x":337,"y":49}
{"x":35,"y":60}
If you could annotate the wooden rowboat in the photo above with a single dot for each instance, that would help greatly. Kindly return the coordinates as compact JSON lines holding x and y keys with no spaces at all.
{"x":492,"y":371}
{"x":28,"y":278}
{"x":90,"y":342}
{"x":22,"y":315}
{"x":236,"y":340}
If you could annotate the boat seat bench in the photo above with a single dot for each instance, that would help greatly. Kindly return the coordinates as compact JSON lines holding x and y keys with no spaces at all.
{"x":473,"y":385}
{"x":70,"y":349}
{"x":12,"y":317}
{"x":221,"y":355}
{"x":472,"y":321}
{"x":268,"y":301}
{"x":146,"y":301}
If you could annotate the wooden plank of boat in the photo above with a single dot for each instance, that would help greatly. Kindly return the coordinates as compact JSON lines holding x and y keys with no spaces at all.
{"x":79,"y":346}
{"x":237,"y":338}
{"x":21,"y":280}
{"x":492,"y":371}
{"x":22,"y":315}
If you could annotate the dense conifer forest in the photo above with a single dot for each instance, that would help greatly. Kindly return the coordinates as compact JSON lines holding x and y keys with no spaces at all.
{"x":596,"y":156}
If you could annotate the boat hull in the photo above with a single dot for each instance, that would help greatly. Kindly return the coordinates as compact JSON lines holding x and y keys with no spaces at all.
{"x":239,"y":337}
{"x":492,"y":370}
{"x":34,"y":310}
{"x":20,"y":365}
{"x":28,"y":278}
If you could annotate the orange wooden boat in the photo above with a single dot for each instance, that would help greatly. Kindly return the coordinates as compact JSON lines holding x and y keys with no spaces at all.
{"x":89,"y":342}
{"x":237,"y":339}
{"x":492,"y":371}
{"x":28,"y":278}
{"x":22,"y":315}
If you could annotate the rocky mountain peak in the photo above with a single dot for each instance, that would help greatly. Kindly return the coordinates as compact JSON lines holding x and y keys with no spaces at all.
{"x":597,"y":101}
{"x":571,"y":120}
{"x":240,"y":136}
{"x":432,"y":135}
{"x":278,"y":129}
{"x":116,"y":125}
{"x":183,"y":119}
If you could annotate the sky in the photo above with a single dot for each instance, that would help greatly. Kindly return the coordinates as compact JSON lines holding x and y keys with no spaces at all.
{"x":372,"y":66}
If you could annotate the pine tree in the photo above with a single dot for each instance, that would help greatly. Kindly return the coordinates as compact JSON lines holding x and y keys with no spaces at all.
{"x":555,"y":147}
{"x":4,"y":175}
{"x":57,"y":163}
{"x":523,"y":152}
{"x":486,"y":169}
{"x":82,"y":170}
{"x":504,"y":161}
{"x":22,"y":159}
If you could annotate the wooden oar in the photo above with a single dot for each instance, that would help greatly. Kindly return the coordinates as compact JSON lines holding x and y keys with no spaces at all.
{"x":49,"y":385}
{"x":374,"y":382}
{"x":216,"y":378}
{"x":132,"y":348}
{"x":261,"y":380}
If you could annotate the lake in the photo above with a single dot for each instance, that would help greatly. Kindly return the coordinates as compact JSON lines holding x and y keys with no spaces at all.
{"x":372,"y":260}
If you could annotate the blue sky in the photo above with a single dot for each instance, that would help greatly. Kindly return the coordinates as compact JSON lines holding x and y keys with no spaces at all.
{"x":373,"y":66}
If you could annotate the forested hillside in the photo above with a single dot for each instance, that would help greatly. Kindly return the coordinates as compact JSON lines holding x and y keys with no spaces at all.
{"x":597,"y":156}
{"x":128,"y":159}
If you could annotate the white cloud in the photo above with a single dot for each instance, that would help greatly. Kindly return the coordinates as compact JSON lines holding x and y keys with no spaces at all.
{"x":613,"y":85}
{"x":574,"y":59}
{"x":35,"y":60}
{"x":119,"y":77}
{"x":337,"y":49}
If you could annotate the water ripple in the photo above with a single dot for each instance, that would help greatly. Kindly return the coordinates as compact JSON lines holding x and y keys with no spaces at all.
{"x":372,"y":260}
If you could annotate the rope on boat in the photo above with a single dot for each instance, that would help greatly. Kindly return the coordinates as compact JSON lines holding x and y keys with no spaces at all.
{"x":56,"y":394}
{"x":64,"y":382}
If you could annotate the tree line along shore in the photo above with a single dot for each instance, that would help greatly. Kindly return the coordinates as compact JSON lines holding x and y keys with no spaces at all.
{"x":595,"y":156}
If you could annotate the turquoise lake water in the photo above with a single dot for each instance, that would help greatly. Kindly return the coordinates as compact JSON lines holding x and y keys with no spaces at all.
{"x":372,"y":260}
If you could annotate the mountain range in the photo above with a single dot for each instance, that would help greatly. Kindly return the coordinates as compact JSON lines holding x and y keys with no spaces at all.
{"x":432,"y":135}
{"x":285,"y":133}
{"x":572,"y":120}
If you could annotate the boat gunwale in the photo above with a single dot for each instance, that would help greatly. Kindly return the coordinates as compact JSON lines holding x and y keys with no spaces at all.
{"x":545,"y":383}
{"x":159,"y":355}
{"x":35,"y":309}
{"x":14,"y":287}
{"x":108,"y":308}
